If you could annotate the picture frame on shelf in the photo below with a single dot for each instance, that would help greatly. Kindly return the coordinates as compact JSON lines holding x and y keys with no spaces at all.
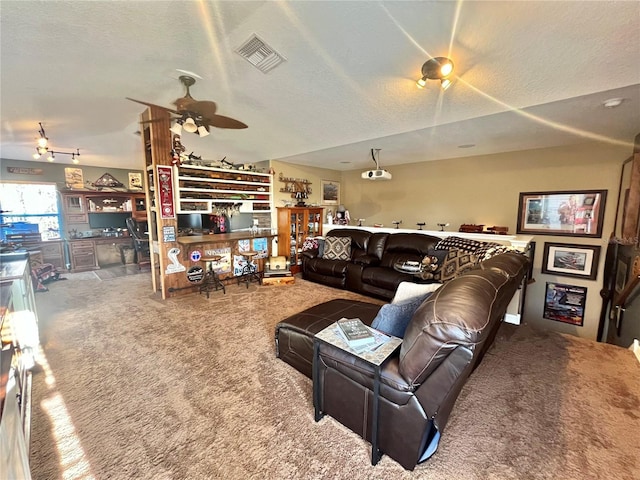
{"x":330,"y":191}
{"x":565,"y":303}
{"x":570,"y":260}
{"x":575,"y":213}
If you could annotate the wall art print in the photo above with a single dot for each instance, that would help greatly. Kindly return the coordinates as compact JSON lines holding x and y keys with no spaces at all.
{"x":571,"y":260}
{"x":577,"y":213}
{"x":565,"y":303}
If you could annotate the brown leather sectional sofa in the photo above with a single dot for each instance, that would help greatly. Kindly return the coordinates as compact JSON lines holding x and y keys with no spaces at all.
{"x":445,"y":340}
{"x":370,"y":270}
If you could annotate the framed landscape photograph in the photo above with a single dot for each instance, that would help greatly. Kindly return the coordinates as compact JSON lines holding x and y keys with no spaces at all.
{"x":565,"y":303}
{"x":330,"y":192}
{"x":577,"y":213}
{"x":571,"y":260}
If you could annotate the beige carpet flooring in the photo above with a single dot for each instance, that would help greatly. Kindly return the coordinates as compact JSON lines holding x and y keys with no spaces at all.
{"x":133,"y":387}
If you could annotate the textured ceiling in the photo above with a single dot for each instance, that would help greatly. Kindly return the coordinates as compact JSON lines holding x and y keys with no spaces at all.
{"x":528,"y":75}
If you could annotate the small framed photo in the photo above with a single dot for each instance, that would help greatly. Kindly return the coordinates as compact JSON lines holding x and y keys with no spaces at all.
{"x":571,"y":260}
{"x":330,"y":192}
{"x":565,"y":303}
{"x":73,"y":178}
{"x":577,"y":213}
{"x":135,"y":181}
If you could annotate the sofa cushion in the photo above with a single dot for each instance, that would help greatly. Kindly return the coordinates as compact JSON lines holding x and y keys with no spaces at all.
{"x":456,"y":263}
{"x":393,"y":318}
{"x":459,"y":243}
{"x":409,"y":290}
{"x":509,"y":264}
{"x":383,"y":277}
{"x":337,"y":248}
{"x":329,"y":268}
{"x":402,"y":247}
{"x":314,"y":243}
{"x":457,"y":314}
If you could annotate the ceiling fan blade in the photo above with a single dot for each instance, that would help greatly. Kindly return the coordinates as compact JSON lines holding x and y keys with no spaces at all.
{"x":154,"y":120}
{"x":204,"y":108}
{"x":220,"y":121}
{"x":153,"y":105}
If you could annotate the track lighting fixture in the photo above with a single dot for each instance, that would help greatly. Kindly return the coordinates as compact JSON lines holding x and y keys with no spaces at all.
{"x":438,"y":68}
{"x":42,"y":148}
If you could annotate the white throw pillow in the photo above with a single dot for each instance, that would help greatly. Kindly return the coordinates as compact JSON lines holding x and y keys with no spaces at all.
{"x":410,"y":290}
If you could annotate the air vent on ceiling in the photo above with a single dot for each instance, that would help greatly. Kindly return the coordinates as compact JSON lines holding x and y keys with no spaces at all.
{"x":259,"y":54}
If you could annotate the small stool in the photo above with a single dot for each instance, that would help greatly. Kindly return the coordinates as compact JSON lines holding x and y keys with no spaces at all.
{"x":211,"y":281}
{"x":248,"y":272}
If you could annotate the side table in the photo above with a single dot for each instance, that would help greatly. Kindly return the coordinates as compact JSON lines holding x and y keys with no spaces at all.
{"x":377,"y":358}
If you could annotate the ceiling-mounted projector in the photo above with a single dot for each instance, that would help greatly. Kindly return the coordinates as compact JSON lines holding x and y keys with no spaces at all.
{"x":376,"y":175}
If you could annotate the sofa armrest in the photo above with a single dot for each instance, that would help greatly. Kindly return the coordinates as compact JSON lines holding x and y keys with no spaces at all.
{"x":309,"y":253}
{"x":392,"y":385}
{"x":367,"y":260}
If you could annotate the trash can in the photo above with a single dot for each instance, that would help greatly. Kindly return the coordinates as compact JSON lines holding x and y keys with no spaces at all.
{"x":128,"y":255}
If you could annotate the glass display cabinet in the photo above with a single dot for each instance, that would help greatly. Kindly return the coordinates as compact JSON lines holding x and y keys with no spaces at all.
{"x":295,"y":224}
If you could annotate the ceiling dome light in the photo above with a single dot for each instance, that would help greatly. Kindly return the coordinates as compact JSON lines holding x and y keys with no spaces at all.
{"x":613,"y":102}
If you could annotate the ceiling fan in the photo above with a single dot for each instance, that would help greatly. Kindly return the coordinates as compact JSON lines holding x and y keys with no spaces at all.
{"x":195,"y":115}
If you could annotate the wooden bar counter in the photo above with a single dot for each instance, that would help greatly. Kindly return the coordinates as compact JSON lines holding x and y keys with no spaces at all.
{"x":183,"y":274}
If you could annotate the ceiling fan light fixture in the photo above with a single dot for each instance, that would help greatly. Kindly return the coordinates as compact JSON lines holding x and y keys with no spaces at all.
{"x":445,"y":83}
{"x":177,"y":127}
{"x":189,"y":125}
{"x":421,"y":82}
{"x":203,"y":131}
{"x":51,"y":157}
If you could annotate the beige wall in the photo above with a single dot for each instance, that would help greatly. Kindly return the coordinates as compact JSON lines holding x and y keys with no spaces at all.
{"x":485,"y":190}
{"x":311,"y":174}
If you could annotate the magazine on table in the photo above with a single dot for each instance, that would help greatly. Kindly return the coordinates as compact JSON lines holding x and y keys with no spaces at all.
{"x":375,"y":337}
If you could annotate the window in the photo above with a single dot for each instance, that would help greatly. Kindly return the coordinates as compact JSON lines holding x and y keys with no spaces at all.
{"x":31,"y":203}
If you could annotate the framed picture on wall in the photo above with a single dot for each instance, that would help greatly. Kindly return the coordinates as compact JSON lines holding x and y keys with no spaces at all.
{"x":330,"y":192}
{"x":571,"y":260}
{"x":577,"y":213}
{"x":565,"y":303}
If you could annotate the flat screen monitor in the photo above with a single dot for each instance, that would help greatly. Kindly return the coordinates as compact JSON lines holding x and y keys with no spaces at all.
{"x":108,"y":220}
{"x":191,"y":221}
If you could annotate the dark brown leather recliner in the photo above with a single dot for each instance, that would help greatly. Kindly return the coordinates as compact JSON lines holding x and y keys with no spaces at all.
{"x":445,"y":340}
{"x":373,"y":255}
